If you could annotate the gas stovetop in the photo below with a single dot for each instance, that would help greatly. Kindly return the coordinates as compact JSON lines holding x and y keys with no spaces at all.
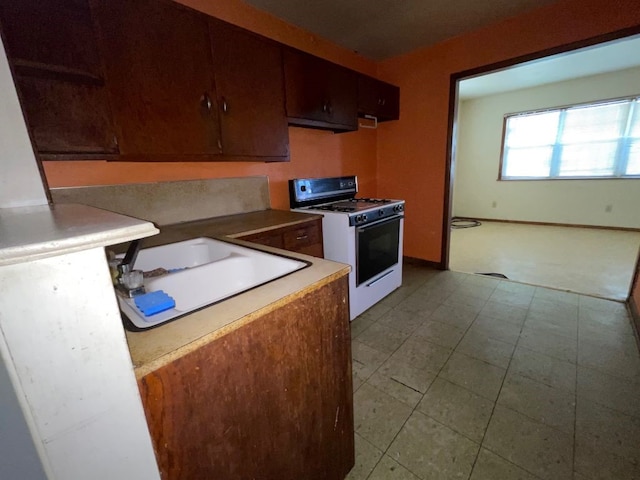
{"x":337,"y":195}
{"x":354,"y":205}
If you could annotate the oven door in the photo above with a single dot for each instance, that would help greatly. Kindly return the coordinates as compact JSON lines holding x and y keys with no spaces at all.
{"x":377,"y":246}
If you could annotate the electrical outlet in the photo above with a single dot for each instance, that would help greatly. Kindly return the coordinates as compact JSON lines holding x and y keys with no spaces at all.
{"x":608,"y":208}
{"x":494,"y":204}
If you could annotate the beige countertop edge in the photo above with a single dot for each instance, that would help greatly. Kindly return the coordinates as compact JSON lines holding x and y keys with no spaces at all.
{"x":267,"y":228}
{"x":154,"y":348}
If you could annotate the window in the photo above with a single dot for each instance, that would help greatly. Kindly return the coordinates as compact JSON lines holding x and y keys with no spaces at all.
{"x":581,"y":141}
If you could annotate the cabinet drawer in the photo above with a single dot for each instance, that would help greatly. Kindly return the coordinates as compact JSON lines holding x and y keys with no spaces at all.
{"x":270,"y":239}
{"x":302,"y":237}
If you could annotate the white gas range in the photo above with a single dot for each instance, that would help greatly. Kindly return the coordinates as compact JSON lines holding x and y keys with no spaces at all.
{"x":365,"y":233}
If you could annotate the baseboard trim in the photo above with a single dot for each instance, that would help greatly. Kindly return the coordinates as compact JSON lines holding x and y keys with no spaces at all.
{"x":552,"y":224}
{"x":422,"y":263}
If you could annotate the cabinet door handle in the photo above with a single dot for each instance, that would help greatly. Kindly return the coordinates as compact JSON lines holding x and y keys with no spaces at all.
{"x":330,"y":108}
{"x":225,"y":106}
{"x":205,"y":101}
{"x":325,"y":106}
{"x":302,"y":237}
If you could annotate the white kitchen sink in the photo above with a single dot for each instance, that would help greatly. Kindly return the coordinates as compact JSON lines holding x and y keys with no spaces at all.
{"x":203,"y":271}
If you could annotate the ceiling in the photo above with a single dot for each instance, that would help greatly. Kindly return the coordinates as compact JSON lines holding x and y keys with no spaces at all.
{"x":380,"y":29}
{"x":603,"y":58}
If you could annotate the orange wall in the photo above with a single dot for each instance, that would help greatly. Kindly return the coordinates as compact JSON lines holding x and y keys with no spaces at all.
{"x":313,"y":152}
{"x":412,"y":151}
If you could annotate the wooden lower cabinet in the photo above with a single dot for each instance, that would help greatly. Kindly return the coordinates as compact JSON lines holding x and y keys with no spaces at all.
{"x":270,"y":400}
{"x":302,"y":238}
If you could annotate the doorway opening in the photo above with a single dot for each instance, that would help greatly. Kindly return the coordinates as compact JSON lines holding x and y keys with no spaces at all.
{"x":527,"y":230}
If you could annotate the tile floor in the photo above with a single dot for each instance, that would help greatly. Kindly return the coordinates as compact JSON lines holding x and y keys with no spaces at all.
{"x":583,"y":260}
{"x":460,"y":376}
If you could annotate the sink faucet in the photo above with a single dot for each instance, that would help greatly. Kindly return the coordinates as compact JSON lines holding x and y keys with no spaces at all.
{"x":130,"y":281}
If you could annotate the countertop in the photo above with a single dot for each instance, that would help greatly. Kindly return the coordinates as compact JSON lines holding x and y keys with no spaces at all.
{"x":159,"y":346}
{"x":32,"y":233}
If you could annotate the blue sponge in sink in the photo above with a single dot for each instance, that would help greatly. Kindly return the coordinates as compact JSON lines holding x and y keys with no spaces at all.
{"x":154,"y":302}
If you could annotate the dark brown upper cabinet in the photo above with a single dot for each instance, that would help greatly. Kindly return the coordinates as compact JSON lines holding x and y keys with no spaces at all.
{"x":319,"y":94}
{"x":250,"y":93}
{"x":378,"y":99}
{"x":158,"y":67}
{"x":58,"y":74}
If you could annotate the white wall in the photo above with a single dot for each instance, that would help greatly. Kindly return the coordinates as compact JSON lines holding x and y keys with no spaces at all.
{"x":581,"y":202}
{"x":20,"y":181}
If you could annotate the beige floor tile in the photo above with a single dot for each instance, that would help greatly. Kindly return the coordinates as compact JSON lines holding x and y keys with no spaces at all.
{"x":490,"y":466}
{"x":475,"y":375}
{"x":460,"y":316}
{"x":515,"y":287}
{"x":367,"y":456}
{"x":439,"y":333}
{"x":595,"y":463}
{"x":555,"y":345}
{"x":514,"y":299}
{"x":383,"y":338}
{"x":356,"y":381}
{"x":432,"y":450}
{"x":583,"y":260}
{"x":557,"y":295}
{"x":481,"y":346}
{"x":478,"y":287}
{"x":502,"y":311}
{"x":389,"y":469}
{"x":457,"y":408}
{"x":537,"y":448}
{"x":483,"y":280}
{"x":551,"y":307}
{"x":458,"y":298}
{"x":397,"y":296}
{"x":613,"y":392}
{"x":609,"y":430}
{"x":366,"y":360}
{"x":552,"y":325}
{"x":360,"y":324}
{"x":602,"y":304}
{"x":543,"y":368}
{"x":403,"y":320}
{"x":377,"y":310}
{"x":496,"y":328}
{"x":552,"y":406}
{"x":419,"y":303}
{"x":402,"y":382}
{"x":612,"y":361}
{"x":422,"y":354}
{"x":624,"y":345}
{"x":608,"y":323}
{"x":378,"y":417}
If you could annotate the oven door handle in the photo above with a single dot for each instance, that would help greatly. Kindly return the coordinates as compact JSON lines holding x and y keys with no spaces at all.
{"x":366,"y":227}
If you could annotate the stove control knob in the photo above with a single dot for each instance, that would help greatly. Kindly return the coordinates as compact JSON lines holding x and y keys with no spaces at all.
{"x":380,"y":212}
{"x":358,"y":218}
{"x":364,"y":217}
{"x":398,"y":208}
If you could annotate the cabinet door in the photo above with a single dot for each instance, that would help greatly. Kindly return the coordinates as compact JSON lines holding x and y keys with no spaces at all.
{"x":305,"y":86}
{"x":59,"y":76}
{"x":250,"y":89}
{"x":318,"y":93}
{"x":272,"y":399}
{"x":380,"y":99}
{"x":158,"y":68}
